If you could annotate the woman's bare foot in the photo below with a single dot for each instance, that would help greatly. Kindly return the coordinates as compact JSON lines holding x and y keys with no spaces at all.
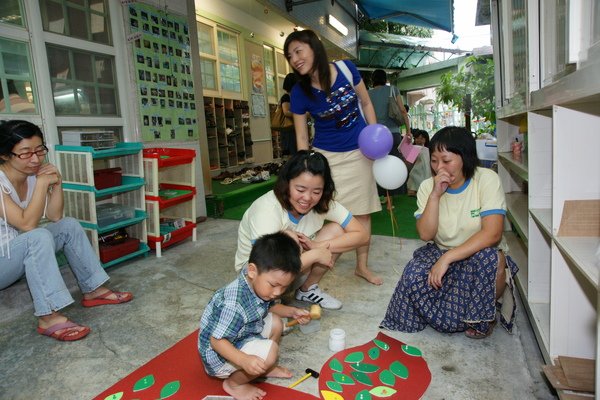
{"x":50,"y":320}
{"x":369,"y":276}
{"x":279,"y":372}
{"x":245,"y":391}
{"x":99,"y":292}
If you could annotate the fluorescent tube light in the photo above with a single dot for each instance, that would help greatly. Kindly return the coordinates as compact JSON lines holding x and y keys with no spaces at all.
{"x":337,"y":25}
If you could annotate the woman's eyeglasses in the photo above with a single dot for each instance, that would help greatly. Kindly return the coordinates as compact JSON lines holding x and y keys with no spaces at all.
{"x":41,"y":152}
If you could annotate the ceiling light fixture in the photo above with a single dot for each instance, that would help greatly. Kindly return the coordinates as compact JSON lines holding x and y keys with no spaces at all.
{"x":337,"y":25}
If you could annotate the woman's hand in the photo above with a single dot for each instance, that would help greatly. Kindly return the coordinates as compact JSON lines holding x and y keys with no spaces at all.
{"x":441,"y":181}
{"x":253,"y":365}
{"x":437,"y":272}
{"x":322,"y":256}
{"x":306,"y":242}
{"x":49,"y":174}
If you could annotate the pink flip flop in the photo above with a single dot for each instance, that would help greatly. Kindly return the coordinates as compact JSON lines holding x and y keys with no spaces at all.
{"x":122,"y":297}
{"x":68,"y":334}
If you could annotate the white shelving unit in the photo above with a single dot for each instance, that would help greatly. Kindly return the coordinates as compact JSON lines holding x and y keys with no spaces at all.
{"x":560,"y":279}
{"x":170,"y":170}
{"x":81,"y":197}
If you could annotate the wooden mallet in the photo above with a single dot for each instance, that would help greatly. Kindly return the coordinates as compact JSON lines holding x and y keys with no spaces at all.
{"x":309,"y":373}
{"x":314,"y":313}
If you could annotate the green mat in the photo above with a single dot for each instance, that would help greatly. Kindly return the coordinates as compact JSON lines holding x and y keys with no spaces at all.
{"x":227,"y":197}
{"x":404,"y":208}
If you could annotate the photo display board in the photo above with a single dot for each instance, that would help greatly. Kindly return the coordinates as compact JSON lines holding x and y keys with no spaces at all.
{"x":163,"y":73}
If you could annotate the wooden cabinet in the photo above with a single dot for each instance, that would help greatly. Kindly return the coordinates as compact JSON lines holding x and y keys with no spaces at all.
{"x":106,"y":210}
{"x":228,"y":132}
{"x":275,"y":135}
{"x":553,"y":191}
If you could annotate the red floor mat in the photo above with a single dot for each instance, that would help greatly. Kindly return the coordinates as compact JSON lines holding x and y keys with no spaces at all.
{"x":177,"y":373}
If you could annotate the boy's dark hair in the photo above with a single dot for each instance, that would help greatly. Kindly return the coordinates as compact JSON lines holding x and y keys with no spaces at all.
{"x":276,"y":251}
{"x":379,"y":77}
{"x":320,"y":64}
{"x":12,"y":132}
{"x":289,"y":81}
{"x":459,"y":141}
{"x":305,"y":161}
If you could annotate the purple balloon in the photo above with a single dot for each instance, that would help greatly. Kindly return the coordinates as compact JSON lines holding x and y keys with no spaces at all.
{"x":375,"y":141}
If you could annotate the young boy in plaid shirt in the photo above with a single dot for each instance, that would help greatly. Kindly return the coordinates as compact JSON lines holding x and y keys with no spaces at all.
{"x":241,"y":326}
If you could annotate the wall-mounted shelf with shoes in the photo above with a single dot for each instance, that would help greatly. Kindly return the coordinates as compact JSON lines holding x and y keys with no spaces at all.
{"x":228,"y":132}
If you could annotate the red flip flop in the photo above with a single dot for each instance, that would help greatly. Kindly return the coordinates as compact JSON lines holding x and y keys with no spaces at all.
{"x":69,"y":333}
{"x":122,"y":297}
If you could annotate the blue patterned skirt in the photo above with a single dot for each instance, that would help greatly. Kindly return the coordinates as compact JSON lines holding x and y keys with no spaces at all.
{"x":466,"y":299}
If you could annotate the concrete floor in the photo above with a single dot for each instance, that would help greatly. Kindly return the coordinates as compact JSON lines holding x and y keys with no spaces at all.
{"x":172,"y":291}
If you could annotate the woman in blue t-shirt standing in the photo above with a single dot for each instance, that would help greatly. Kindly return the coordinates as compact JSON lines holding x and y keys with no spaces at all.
{"x":325,"y":91}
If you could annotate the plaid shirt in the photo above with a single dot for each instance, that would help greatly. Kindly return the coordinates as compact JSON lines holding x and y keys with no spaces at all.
{"x":234,"y":313}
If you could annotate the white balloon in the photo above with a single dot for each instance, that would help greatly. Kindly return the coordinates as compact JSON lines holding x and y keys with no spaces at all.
{"x":390,"y":172}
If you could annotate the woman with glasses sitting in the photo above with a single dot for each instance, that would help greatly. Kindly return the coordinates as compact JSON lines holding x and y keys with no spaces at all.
{"x":30,"y":189}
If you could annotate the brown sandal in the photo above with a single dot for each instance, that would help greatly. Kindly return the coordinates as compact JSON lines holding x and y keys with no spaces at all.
{"x":473,"y":333}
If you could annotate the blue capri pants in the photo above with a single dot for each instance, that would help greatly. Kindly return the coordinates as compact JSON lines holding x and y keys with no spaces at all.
{"x":33,"y":254}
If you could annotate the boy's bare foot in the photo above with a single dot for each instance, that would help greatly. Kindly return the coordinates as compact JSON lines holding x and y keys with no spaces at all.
{"x":245,"y":391}
{"x":369,"y":276}
{"x":279,"y":372}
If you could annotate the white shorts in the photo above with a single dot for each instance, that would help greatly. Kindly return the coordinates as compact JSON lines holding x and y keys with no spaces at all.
{"x":257,"y":347}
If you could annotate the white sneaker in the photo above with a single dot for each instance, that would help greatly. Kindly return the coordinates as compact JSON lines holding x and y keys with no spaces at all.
{"x":317,"y":296}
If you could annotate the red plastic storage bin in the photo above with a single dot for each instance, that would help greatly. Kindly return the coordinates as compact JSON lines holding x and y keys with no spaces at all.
{"x":112,"y":252}
{"x":168,"y":157}
{"x":108,"y":177}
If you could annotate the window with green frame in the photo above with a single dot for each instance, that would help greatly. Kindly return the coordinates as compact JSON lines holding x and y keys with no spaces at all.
{"x":16,"y":87}
{"x":82,"y":19}
{"x":270,"y":75}
{"x":11,"y":12}
{"x":229,"y":63}
{"x":83,"y":83}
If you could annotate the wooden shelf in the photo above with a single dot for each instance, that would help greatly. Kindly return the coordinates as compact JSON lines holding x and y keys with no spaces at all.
{"x":580,"y":85}
{"x":581,"y":252}
{"x":560,"y":283}
{"x":539,"y":314}
{"x":543,"y":217}
{"x":518,"y":166}
{"x":516,"y":205}
{"x":518,"y":252}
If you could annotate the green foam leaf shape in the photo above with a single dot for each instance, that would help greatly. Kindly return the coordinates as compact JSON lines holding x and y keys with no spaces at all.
{"x":114,"y":396}
{"x":336,"y":387}
{"x":399,"y":369}
{"x":362,"y":367}
{"x":343,"y":379}
{"x":335,"y":365}
{"x":383,"y":391}
{"x":387,"y":378}
{"x":355,"y":357}
{"x":169,"y":389}
{"x":363,"y":395}
{"x":412,"y":351}
{"x":144,"y":383}
{"x":374,"y":353}
{"x":363,"y":378}
{"x":382,"y":345}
